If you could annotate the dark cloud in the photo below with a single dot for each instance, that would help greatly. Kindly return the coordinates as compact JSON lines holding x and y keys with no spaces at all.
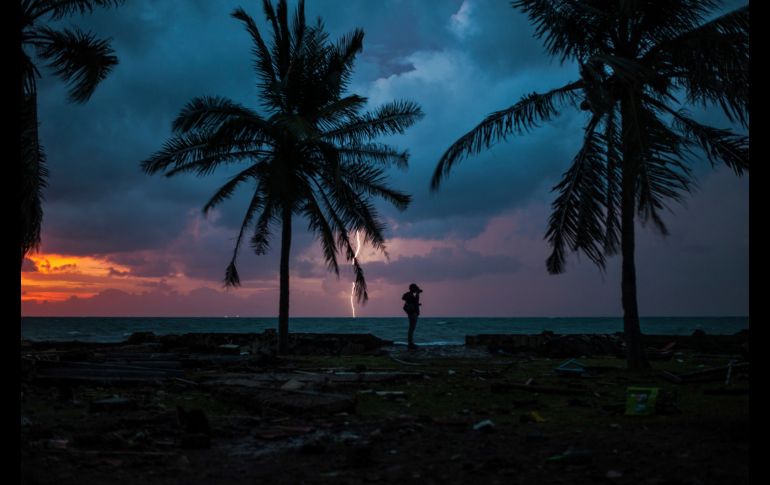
{"x":441,"y":264}
{"x":65,"y":268}
{"x":199,"y":302}
{"x":145,"y":266}
{"x":98,"y":198}
{"x":28,"y":266}
{"x":117,"y":273}
{"x":100,"y":203}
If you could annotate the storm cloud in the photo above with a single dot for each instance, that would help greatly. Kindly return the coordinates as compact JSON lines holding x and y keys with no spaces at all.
{"x":460,"y":60}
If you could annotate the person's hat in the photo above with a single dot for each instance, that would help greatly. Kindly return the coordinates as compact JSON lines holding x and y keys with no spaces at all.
{"x":414,"y":287}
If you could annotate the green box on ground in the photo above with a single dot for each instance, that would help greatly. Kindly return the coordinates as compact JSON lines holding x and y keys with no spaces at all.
{"x":640,"y":401}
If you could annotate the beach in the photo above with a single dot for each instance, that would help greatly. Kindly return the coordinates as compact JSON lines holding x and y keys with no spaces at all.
{"x":356,"y":409}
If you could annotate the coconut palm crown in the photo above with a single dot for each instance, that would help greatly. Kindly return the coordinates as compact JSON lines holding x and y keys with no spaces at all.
{"x":309,"y":152}
{"x":641,"y":63}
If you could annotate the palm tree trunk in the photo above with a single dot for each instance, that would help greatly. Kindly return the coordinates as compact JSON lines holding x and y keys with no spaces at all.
{"x":283,"y":304}
{"x":635,"y":355}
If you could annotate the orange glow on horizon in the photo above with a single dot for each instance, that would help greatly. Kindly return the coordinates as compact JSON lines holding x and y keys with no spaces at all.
{"x":57,"y":277}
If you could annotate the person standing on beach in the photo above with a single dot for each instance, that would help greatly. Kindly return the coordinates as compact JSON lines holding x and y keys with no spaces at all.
{"x":412,"y":308}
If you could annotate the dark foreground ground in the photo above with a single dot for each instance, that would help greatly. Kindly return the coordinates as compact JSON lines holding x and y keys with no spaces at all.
{"x":109,"y":414}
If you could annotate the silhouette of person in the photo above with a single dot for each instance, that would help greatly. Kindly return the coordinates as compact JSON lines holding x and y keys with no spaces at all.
{"x":412,"y":308}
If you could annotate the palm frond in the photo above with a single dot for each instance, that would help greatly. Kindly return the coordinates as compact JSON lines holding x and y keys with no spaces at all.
{"x":338,"y":112}
{"x":719,"y":145}
{"x":371,"y":180}
{"x":577,"y":220}
{"x":351,"y":208}
{"x":228,"y":188}
{"x":661,"y":179}
{"x":711,"y":62}
{"x":33,"y":177}
{"x":359,"y":284}
{"x":30,"y":74}
{"x":260,"y":240}
{"x":179,"y":151}
{"x":263,"y":61}
{"x":202,"y":152}
{"x":59,"y":9}
{"x":666,"y":20}
{"x":335,"y":220}
{"x":519,"y":118}
{"x":662,"y":175}
{"x":318,"y":224}
{"x":267,"y":7}
{"x":613,"y":202}
{"x":340,"y":68}
{"x":571,"y":29}
{"x":209,"y":112}
{"x":77,"y":57}
{"x":298,"y":27}
{"x":208,"y":164}
{"x":389,"y":119}
{"x":336,"y":211}
{"x":282,"y":41}
{"x":242,"y":133}
{"x":374,"y":153}
{"x":232,"y":277}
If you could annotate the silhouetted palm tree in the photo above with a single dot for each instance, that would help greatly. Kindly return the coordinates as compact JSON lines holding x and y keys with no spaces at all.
{"x":640,"y":63}
{"x":76,"y":57}
{"x":311,"y":154}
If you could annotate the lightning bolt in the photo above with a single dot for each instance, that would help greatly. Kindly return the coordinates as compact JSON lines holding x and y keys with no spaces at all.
{"x":353,"y":288}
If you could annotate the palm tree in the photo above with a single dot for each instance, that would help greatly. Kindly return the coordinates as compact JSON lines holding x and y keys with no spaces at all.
{"x":76,"y":57}
{"x":311,"y":154}
{"x":641,"y":63}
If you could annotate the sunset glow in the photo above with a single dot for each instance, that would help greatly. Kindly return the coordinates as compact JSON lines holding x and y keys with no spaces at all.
{"x":57,"y":277}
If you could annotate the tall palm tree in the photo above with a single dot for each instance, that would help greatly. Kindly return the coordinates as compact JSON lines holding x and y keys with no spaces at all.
{"x":641,"y":63}
{"x":76,"y":57}
{"x":311,"y":154}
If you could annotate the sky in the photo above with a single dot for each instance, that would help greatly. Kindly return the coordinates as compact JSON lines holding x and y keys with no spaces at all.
{"x":118,"y":242}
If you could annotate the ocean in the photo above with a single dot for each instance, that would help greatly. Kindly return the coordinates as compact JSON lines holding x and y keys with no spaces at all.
{"x":430,"y":331}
